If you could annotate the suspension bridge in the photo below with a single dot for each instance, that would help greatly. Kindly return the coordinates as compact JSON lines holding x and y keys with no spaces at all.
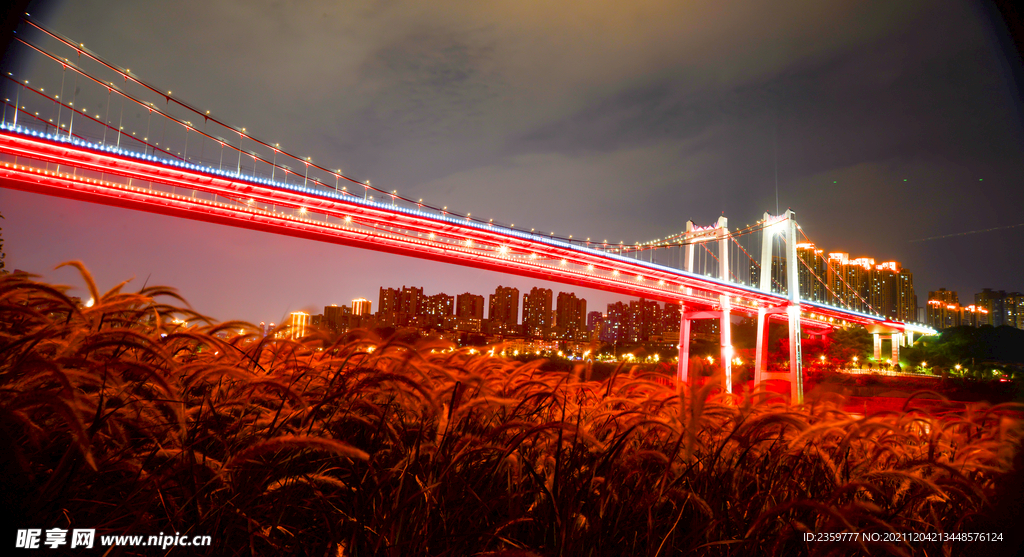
{"x":184,"y":162}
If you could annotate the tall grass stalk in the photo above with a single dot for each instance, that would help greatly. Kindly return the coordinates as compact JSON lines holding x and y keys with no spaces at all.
{"x":120,"y":417}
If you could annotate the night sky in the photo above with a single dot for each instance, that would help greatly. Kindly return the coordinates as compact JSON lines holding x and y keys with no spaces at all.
{"x":892,"y":127}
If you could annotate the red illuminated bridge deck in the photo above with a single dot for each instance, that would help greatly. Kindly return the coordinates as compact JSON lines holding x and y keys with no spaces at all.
{"x":57,"y":165}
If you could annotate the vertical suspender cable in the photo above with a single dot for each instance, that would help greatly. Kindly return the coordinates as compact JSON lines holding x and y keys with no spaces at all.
{"x":74,"y":97}
{"x":120,"y":121}
{"x":57,"y":101}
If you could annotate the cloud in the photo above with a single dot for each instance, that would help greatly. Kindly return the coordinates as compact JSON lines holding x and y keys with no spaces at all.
{"x":590,"y":193}
{"x":389,"y":80}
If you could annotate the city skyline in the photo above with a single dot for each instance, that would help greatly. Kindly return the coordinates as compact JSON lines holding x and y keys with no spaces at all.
{"x":611,"y":151}
{"x":544,"y":316}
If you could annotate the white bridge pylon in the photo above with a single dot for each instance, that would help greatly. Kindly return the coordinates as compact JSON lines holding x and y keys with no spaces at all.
{"x":693,"y":236}
{"x":784,"y":226}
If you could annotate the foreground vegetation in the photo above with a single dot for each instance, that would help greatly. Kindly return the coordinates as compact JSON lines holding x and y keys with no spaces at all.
{"x":118,"y":417}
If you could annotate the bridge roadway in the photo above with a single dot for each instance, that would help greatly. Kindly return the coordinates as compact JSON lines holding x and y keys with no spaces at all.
{"x":138,"y":181}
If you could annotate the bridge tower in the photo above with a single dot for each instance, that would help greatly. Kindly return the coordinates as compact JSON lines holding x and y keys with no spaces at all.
{"x":693,"y":236}
{"x":786,"y":227}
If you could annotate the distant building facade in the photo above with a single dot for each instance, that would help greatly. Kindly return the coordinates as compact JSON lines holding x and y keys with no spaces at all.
{"x":362,"y":307}
{"x":1003,"y":308}
{"x":503,"y":311}
{"x":337,"y":319}
{"x":570,"y":316}
{"x":944,"y":311}
{"x":537,"y":315}
{"x":297,"y":326}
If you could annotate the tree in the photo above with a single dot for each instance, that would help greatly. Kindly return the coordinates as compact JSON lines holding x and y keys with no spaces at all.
{"x":847,"y":343}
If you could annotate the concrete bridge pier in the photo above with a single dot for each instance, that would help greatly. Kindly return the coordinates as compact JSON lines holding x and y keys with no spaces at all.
{"x":897,"y":340}
{"x":684,"y":346}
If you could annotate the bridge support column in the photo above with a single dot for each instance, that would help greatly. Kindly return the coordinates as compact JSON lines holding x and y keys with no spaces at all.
{"x":684,"y":346}
{"x":878,"y":346}
{"x":796,"y":371}
{"x":726,"y":327}
{"x":726,"y":330}
{"x":897,"y":341}
{"x":910,"y":338}
{"x":761,"y":354}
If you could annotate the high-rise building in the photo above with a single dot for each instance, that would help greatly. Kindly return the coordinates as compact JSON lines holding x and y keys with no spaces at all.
{"x":858,"y":272}
{"x":469,"y":306}
{"x":836,"y":280}
{"x":361,"y":307}
{"x":859,"y":284}
{"x":1003,"y":308}
{"x":387,"y":303}
{"x":615,"y":323}
{"x":644,"y":320}
{"x":850,"y":281}
{"x":570,"y":315}
{"x":387,"y":312}
{"x":973,"y":316}
{"x":399,"y":307}
{"x":436,"y":308}
{"x":944,"y":311}
{"x":297,"y":325}
{"x":1013,"y":306}
{"x":537,"y":313}
{"x":670,"y":318}
{"x":812,"y":273}
{"x":943,"y":295}
{"x":410,"y":300}
{"x":904,"y":296}
{"x":879,"y":292}
{"x":503,"y":311}
{"x":892,"y":292}
{"x":337,"y":318}
{"x":595,"y":325}
{"x":992,"y":300}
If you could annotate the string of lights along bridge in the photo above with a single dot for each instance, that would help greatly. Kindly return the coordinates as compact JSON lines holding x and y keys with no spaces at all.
{"x":182,"y":161}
